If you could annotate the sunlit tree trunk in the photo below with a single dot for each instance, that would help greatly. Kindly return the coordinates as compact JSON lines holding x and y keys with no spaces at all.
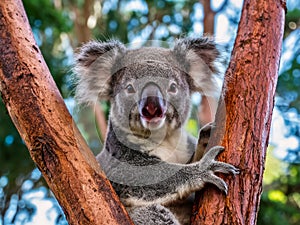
{"x":244,"y":115}
{"x":41,"y":117}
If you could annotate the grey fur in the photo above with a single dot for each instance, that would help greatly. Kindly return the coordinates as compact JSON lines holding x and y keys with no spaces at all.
{"x":147,"y":151}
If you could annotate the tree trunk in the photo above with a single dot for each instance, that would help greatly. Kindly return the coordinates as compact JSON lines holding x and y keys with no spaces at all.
{"x":244,"y":115}
{"x":209,"y":18}
{"x":208,"y":106}
{"x":40,"y":115}
{"x":82,"y":31}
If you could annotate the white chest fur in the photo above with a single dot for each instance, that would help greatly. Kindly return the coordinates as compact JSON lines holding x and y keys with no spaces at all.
{"x":177,"y":148}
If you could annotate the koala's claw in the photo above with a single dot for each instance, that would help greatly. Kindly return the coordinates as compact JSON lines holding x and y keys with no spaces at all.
{"x":220,"y":183}
{"x":209,"y":163}
{"x":225,"y":168}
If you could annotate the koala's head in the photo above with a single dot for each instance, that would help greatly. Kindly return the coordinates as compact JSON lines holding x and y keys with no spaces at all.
{"x":149,"y":88}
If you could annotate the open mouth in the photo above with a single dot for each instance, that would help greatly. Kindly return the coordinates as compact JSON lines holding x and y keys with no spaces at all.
{"x":152,"y":107}
{"x":153,"y":113}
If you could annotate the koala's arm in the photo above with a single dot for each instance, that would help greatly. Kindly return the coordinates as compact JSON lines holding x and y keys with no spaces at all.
{"x":163,"y":182}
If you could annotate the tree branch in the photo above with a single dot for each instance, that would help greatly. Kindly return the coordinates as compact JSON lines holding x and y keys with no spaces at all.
{"x":244,"y":114}
{"x":54,"y":142}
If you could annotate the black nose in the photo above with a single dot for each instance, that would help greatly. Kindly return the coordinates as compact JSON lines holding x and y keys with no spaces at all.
{"x":152,"y":103}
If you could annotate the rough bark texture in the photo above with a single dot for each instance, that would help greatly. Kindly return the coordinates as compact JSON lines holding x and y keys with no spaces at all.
{"x":244,"y":115}
{"x":40,"y":115}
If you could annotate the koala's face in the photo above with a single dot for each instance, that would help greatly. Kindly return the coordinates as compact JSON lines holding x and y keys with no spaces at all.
{"x":149,"y":88}
{"x":149,"y":94}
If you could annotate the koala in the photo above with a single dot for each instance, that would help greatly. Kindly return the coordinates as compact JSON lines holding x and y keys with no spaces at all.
{"x":148,"y":156}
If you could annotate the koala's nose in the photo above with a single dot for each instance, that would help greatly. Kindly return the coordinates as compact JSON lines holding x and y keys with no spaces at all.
{"x":152,"y":103}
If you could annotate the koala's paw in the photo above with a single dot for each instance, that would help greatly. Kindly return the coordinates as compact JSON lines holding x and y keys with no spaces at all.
{"x":209,"y":166}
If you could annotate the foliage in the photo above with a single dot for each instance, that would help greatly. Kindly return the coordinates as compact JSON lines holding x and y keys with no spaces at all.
{"x":280,"y":201}
{"x":23,"y":203}
{"x":146,"y":20}
{"x":288,"y":88}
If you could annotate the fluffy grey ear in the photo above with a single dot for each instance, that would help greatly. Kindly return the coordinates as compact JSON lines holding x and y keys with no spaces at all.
{"x":199,"y":55}
{"x":93,"y":68}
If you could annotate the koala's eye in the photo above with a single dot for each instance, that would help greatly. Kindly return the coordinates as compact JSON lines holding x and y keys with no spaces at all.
{"x":130,"y":89}
{"x":173,"y":88}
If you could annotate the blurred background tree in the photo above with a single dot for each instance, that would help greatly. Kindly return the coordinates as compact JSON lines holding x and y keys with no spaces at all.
{"x":59,"y":26}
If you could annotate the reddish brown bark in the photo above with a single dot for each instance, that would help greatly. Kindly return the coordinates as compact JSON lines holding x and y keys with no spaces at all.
{"x":244,"y":116}
{"x":40,"y":115}
{"x":209,"y":18}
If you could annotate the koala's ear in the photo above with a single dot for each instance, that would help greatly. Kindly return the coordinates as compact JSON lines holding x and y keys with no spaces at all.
{"x":199,"y":55}
{"x":93,"y":69}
